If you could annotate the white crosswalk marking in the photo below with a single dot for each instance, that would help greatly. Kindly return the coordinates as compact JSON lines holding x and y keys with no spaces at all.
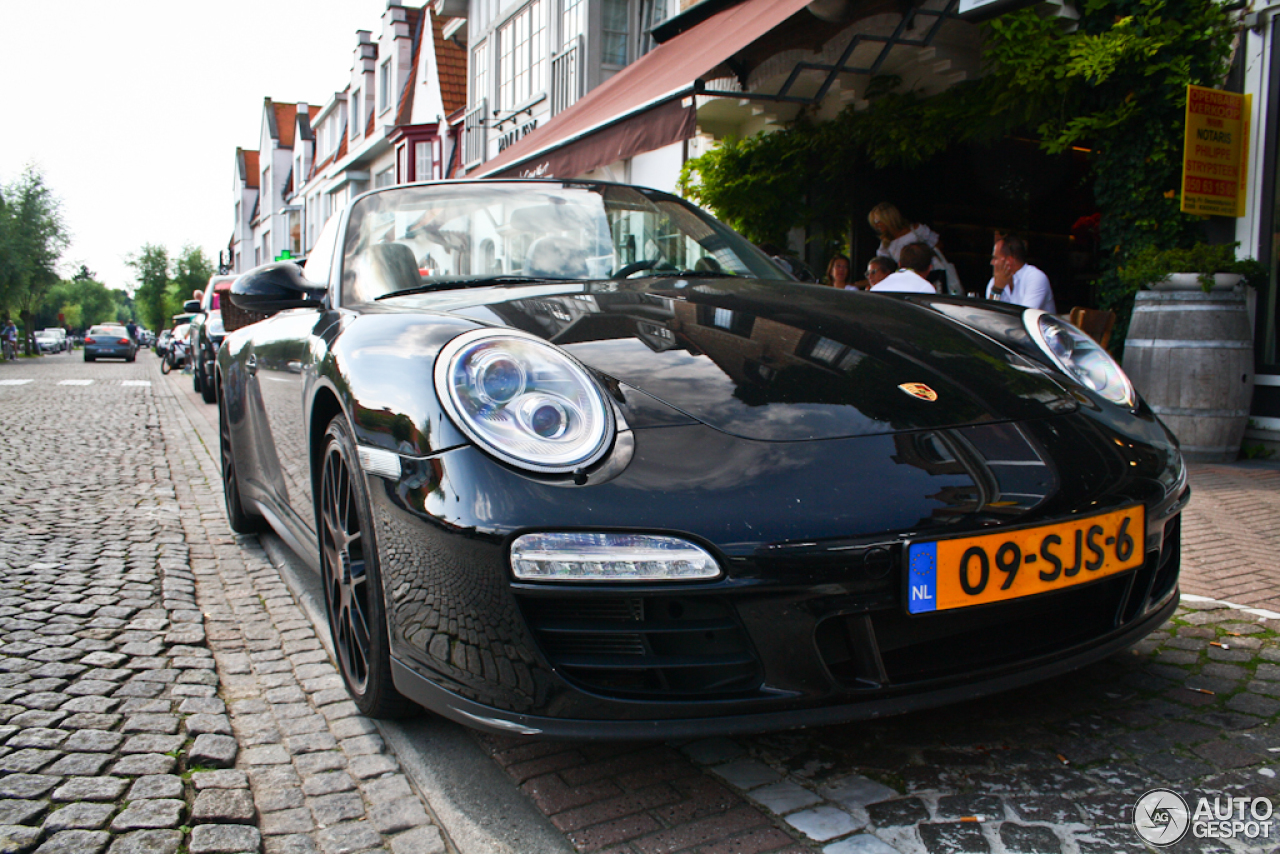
{"x":76,"y":382}
{"x":14,"y":382}
{"x":135,"y":382}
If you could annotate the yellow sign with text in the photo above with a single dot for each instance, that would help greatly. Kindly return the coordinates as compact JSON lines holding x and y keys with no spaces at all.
{"x":1215,"y":153}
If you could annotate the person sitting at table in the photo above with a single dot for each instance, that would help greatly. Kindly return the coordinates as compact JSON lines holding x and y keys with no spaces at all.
{"x":878,"y":268}
{"x":1015,"y":281}
{"x":838,"y":269}
{"x":910,"y":277}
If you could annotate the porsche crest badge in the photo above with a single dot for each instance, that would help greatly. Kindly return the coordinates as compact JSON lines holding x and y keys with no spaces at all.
{"x":919,"y":390}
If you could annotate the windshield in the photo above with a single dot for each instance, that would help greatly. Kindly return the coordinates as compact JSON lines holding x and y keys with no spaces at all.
{"x":466,"y":234}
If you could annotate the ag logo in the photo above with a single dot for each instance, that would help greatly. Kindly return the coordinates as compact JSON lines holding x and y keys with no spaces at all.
{"x":919,"y":390}
{"x":1161,"y":817}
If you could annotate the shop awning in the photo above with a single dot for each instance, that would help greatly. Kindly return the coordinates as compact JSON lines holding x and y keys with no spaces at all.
{"x":646,"y":105}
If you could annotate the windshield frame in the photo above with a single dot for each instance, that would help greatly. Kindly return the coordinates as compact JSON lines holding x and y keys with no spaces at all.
{"x":376,"y":212}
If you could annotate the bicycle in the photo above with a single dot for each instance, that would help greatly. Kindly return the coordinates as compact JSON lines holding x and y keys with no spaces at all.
{"x":174,"y":357}
{"x":10,"y":350}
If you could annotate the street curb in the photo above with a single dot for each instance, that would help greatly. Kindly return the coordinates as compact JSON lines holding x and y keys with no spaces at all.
{"x":1261,"y":613}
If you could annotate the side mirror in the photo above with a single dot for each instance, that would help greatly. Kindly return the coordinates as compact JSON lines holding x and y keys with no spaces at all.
{"x":276,"y":287}
{"x":191,"y":306}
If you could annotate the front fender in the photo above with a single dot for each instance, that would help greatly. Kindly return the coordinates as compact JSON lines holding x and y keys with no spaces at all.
{"x":379,"y":369}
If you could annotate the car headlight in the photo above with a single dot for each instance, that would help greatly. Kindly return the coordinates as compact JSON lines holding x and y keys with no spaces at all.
{"x":1080,"y":357}
{"x":523,"y":400}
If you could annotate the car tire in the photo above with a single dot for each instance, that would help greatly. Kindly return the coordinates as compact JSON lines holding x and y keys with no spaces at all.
{"x":208,"y":391}
{"x":195,"y":378}
{"x":349,"y":570}
{"x":240,"y":520}
{"x":88,"y":358}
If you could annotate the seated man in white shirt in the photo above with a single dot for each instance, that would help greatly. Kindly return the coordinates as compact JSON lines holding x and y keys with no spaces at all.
{"x":910,"y":278}
{"x":1016,"y":281}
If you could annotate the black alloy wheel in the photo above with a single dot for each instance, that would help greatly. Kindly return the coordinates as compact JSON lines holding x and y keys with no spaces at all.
{"x":352,"y":582}
{"x":240,"y":520}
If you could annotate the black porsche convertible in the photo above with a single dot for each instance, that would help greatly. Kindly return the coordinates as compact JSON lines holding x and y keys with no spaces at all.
{"x":575,"y":459}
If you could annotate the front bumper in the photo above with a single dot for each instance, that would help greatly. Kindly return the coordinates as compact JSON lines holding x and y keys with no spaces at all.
{"x":427,"y":693}
{"x":808,"y":625}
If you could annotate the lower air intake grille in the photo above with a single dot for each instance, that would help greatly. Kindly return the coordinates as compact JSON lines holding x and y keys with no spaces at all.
{"x":675,"y":647}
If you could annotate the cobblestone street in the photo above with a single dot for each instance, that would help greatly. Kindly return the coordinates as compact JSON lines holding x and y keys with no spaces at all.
{"x":163,"y":689}
{"x":122,"y":590}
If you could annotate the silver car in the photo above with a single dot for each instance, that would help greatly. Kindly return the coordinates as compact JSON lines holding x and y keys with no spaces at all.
{"x":49,"y":342}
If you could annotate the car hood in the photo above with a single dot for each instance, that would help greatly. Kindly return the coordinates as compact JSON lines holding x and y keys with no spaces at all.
{"x":780,"y":361}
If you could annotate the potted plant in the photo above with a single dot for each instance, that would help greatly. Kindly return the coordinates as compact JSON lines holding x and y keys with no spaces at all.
{"x":1207,"y":266}
{"x":1189,"y":347}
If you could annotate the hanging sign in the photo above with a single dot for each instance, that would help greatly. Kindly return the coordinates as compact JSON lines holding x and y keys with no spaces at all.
{"x":1215,"y":152}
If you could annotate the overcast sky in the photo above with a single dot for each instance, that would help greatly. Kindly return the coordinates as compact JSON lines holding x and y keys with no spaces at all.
{"x":133,"y":110}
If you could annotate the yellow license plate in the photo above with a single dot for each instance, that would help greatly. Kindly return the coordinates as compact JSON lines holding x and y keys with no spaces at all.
{"x":947,"y":574}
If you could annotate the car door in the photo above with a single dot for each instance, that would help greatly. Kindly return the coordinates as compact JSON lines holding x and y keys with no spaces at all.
{"x":282,"y":370}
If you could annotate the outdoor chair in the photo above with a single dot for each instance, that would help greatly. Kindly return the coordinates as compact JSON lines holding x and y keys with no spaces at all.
{"x":1095,"y":322}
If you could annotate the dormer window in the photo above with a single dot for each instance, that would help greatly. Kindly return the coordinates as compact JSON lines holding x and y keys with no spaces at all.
{"x":355,"y":114}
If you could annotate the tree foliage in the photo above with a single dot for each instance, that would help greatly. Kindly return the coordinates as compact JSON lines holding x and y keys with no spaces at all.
{"x":32,"y":239}
{"x":191,"y":272}
{"x":82,"y":302}
{"x":165,"y":283}
{"x":151,"y":270}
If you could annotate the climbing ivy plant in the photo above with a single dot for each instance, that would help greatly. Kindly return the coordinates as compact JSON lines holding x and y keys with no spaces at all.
{"x":1116,"y":84}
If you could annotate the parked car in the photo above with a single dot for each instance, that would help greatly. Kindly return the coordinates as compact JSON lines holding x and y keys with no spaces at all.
{"x":575,"y":459}
{"x":107,"y":341}
{"x":162,"y":341}
{"x":207,"y":334}
{"x":50,"y":342}
{"x":60,"y":335}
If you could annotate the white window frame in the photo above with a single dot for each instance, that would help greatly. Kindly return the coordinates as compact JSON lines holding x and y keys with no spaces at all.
{"x":480,"y":72}
{"x":422,"y":161}
{"x":355,"y":123}
{"x":523,"y":55}
{"x":384,"y":87}
{"x":573,"y":22}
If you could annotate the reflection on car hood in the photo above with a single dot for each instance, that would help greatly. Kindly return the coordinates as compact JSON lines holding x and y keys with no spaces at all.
{"x":781,"y":361}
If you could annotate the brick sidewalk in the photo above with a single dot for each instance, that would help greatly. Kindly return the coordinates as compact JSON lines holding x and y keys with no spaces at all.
{"x":1231,"y":534}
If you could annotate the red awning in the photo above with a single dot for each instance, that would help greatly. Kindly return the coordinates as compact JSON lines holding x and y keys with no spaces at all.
{"x":644,"y":106}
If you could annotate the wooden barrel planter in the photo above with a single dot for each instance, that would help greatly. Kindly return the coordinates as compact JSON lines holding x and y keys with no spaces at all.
{"x":1190,"y":354}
